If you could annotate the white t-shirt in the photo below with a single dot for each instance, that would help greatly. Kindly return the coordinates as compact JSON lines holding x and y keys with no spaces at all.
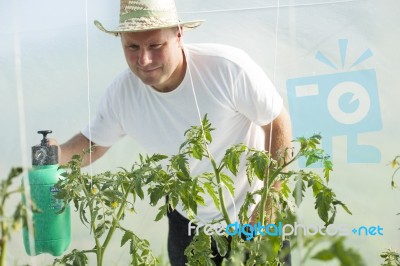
{"x":228,"y":86}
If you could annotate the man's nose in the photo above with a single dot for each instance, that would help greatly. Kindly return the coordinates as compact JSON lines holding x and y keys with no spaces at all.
{"x":144,"y":57}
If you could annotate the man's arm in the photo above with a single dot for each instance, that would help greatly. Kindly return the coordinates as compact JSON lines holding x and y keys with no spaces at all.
{"x":278,"y":137}
{"x":77,"y":145}
{"x":278,"y":134}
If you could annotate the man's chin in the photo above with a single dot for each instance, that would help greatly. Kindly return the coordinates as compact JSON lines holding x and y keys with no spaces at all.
{"x":152,"y":83}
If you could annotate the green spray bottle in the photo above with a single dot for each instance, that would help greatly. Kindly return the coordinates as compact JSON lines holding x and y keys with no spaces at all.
{"x":51,"y":231}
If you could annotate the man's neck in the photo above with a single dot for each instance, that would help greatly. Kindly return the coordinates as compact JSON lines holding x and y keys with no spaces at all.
{"x":177,"y":76}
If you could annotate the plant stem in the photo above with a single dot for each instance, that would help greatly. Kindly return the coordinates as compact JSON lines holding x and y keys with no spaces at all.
{"x":3,"y":240}
{"x":272,"y":176}
{"x":220,"y":192}
{"x":99,"y":251}
{"x":115,"y":221}
{"x":264,"y":197}
{"x":3,"y":244}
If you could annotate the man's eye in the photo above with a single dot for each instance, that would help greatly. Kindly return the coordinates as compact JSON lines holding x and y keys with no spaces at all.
{"x":133,"y":47}
{"x":156,"y":46}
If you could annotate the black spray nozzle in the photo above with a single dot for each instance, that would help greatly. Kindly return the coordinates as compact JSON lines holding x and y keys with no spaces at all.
{"x":44,"y":154}
{"x":45,"y":141}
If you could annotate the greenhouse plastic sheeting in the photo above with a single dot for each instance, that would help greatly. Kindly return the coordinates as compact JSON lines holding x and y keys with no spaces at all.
{"x":335,"y":63}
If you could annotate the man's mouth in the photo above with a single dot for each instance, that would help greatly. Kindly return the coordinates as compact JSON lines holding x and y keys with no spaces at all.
{"x":148,"y":69}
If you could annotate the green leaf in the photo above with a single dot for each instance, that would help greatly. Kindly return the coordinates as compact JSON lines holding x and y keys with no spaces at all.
{"x":139,"y":249}
{"x":324,"y":255}
{"x":232,"y":158}
{"x":298,"y":192}
{"x":346,"y":256}
{"x":317,"y":185}
{"x":249,"y":200}
{"x":312,"y":158}
{"x":328,"y":167}
{"x":249,"y":174}
{"x":76,"y":157}
{"x":228,"y":182}
{"x":158,"y":157}
{"x":74,"y":258}
{"x":100,"y":230}
{"x":156,"y":194}
{"x":128,"y":235}
{"x":163,"y":211}
{"x":260,"y":165}
{"x":208,"y":261}
{"x":138,"y":188}
{"x":14,"y":172}
{"x":391,"y":258}
{"x":222,"y":244}
{"x":197,"y":151}
{"x":207,"y":128}
{"x":284,"y":189}
{"x":323,"y":203}
{"x":257,"y":164}
{"x":210,"y":190}
{"x":199,"y":250}
{"x":208,"y":136}
{"x":109,"y":195}
{"x":338,"y":202}
{"x":76,"y":203}
{"x":183,"y":177}
{"x":333,"y":216}
{"x":180,"y":163}
{"x":82,"y":213}
{"x":192,"y":205}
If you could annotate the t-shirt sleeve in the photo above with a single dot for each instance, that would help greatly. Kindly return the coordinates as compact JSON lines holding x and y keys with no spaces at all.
{"x":255,"y":96}
{"x":105,"y":128}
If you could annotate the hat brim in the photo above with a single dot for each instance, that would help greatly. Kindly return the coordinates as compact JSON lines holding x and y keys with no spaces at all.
{"x":186,"y":26}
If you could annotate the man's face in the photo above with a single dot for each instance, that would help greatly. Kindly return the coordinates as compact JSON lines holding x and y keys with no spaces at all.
{"x":155,"y":57}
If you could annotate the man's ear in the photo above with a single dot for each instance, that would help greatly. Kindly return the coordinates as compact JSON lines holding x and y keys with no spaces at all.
{"x":180,"y":30}
{"x":179,"y":35}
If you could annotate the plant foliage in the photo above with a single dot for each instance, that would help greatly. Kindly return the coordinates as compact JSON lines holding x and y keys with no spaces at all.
{"x":102,"y":200}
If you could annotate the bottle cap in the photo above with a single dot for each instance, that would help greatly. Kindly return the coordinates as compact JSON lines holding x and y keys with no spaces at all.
{"x":44,"y":154}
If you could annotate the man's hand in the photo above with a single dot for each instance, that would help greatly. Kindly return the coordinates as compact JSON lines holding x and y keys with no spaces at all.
{"x":269,"y":208}
{"x":53,"y":142}
{"x":78,"y":144}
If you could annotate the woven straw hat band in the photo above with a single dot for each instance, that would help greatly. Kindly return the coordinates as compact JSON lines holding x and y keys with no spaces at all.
{"x":165,"y":15}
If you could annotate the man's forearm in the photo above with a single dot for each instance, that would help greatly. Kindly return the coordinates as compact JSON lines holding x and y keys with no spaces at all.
{"x":80,"y":145}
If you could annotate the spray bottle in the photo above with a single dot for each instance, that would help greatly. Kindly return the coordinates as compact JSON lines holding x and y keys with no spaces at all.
{"x":51,"y":231}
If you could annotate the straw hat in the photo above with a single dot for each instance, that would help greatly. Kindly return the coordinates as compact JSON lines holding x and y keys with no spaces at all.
{"x":143,"y":15}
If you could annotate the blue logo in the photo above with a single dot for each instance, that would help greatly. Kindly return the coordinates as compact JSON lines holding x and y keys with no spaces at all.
{"x":368,"y":231}
{"x":345,"y":103}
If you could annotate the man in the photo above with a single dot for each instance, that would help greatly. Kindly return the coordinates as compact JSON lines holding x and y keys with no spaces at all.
{"x":169,"y":87}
